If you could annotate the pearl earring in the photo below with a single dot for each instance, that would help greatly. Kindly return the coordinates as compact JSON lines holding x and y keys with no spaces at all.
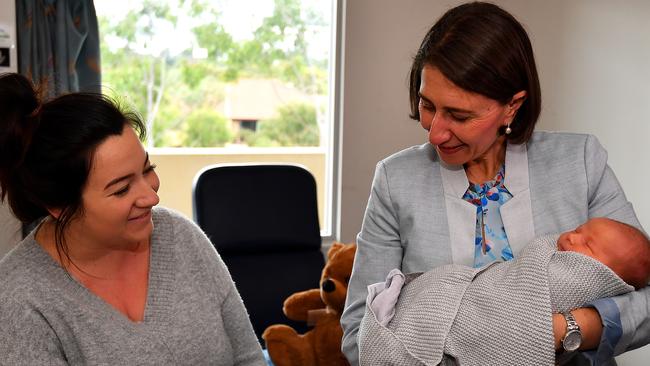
{"x":508,"y":129}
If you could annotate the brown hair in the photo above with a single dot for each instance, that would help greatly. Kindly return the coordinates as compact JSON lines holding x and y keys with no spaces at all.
{"x":46,"y":149}
{"x":637,"y":271}
{"x":483,"y":49}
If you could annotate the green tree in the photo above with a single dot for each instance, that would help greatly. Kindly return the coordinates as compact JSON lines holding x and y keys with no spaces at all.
{"x":165,"y":131}
{"x":279,"y":49}
{"x":207,"y":128}
{"x":215,"y":39}
{"x":295,"y":125}
{"x":165,"y":86}
{"x":137,"y":68}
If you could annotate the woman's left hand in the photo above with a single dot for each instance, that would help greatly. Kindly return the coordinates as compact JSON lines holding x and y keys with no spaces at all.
{"x":591,"y":327}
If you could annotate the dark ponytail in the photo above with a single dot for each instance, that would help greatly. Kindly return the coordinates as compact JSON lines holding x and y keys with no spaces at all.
{"x":19,"y":107}
{"x":46,"y":149}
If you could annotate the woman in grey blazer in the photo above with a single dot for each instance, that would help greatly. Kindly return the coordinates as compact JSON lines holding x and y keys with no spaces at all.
{"x":485,"y":184}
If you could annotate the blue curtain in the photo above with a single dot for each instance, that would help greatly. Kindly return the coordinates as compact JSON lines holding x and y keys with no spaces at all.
{"x":58,"y":45}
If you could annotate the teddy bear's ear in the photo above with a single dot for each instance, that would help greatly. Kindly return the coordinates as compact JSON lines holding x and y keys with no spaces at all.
{"x":334,"y":249}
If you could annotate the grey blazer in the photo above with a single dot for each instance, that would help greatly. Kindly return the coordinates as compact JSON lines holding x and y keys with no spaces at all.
{"x":416,"y":211}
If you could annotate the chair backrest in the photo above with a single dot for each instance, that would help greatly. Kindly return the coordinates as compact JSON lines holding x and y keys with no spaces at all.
{"x":263,"y":221}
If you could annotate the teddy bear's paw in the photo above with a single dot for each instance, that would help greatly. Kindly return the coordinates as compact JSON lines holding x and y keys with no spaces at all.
{"x":288,"y":348}
{"x":279,"y":332}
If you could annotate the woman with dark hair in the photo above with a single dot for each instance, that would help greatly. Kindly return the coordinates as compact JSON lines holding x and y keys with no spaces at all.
{"x":106,"y":277}
{"x":485,"y":184}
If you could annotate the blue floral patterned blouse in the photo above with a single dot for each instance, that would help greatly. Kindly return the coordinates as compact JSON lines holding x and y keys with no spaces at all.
{"x":491,"y":242}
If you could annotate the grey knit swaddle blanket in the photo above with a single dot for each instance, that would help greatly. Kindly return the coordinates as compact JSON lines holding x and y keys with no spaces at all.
{"x":496,"y":315}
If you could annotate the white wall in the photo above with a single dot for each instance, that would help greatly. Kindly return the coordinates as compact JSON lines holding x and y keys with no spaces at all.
{"x":594,"y":62}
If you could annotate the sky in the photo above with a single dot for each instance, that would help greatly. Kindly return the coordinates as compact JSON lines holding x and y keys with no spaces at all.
{"x":240,"y":18}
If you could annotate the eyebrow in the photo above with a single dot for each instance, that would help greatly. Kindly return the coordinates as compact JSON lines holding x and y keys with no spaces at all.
{"x":449,"y":109}
{"x":128,"y":176}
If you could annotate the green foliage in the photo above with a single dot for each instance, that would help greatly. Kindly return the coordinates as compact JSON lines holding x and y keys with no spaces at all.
{"x":279,"y":48}
{"x":165,"y":132}
{"x":195,"y":72}
{"x":207,"y":128}
{"x":178,"y":95}
{"x":215,"y":39}
{"x":295,"y":125}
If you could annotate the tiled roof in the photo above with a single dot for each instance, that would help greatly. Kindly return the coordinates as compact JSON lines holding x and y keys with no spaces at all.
{"x":256,"y":99}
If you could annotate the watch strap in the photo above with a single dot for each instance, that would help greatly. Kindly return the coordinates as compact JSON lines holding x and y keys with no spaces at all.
{"x":572,"y":332}
{"x":571,"y":323}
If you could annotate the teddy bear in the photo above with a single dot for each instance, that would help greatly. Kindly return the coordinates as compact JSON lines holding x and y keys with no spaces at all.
{"x":321,"y":345}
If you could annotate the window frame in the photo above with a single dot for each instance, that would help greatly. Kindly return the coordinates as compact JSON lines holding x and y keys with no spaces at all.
{"x":330,"y":231}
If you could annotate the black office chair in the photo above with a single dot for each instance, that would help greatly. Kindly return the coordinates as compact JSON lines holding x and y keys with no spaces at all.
{"x":263,"y":220}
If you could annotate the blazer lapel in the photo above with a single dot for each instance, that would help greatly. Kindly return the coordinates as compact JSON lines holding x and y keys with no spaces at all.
{"x":461,"y":215}
{"x":517,"y":213}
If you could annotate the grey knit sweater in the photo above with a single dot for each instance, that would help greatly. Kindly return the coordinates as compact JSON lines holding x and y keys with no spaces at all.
{"x":497,"y":315}
{"x":193,"y":314}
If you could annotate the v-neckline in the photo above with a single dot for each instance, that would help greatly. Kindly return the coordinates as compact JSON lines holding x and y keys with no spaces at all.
{"x":159,"y":283}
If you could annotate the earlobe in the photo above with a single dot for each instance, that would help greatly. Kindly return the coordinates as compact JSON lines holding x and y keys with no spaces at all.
{"x":54,"y":212}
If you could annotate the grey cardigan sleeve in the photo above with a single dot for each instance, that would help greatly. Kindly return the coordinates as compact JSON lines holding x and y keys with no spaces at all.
{"x":379,"y":250}
{"x":26,"y":338}
{"x":606,"y":198}
{"x":246,"y":349}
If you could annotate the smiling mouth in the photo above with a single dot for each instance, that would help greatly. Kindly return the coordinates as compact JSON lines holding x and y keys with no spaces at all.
{"x":144,"y":215}
{"x":449,"y":150}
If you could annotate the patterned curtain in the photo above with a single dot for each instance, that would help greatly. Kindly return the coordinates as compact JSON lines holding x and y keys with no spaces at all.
{"x":58,"y":45}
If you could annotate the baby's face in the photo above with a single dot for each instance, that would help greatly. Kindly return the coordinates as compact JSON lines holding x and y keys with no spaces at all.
{"x":600,"y":239}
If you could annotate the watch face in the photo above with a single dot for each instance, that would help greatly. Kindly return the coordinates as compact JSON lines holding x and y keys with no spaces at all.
{"x":572,"y":340}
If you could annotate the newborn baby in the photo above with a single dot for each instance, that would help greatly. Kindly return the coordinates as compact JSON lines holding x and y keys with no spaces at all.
{"x":621,"y":247}
{"x":459,"y":314}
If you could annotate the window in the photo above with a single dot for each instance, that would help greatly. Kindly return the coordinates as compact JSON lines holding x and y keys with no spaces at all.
{"x":226,"y":81}
{"x":248,"y":124}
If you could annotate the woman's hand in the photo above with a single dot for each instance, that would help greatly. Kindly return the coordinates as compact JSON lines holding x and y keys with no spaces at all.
{"x":590,"y":324}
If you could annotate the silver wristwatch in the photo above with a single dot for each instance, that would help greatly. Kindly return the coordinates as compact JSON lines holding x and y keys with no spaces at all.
{"x":573,"y":337}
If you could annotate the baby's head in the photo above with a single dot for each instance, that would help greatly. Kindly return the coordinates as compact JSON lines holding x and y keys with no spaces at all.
{"x":621,"y":247}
